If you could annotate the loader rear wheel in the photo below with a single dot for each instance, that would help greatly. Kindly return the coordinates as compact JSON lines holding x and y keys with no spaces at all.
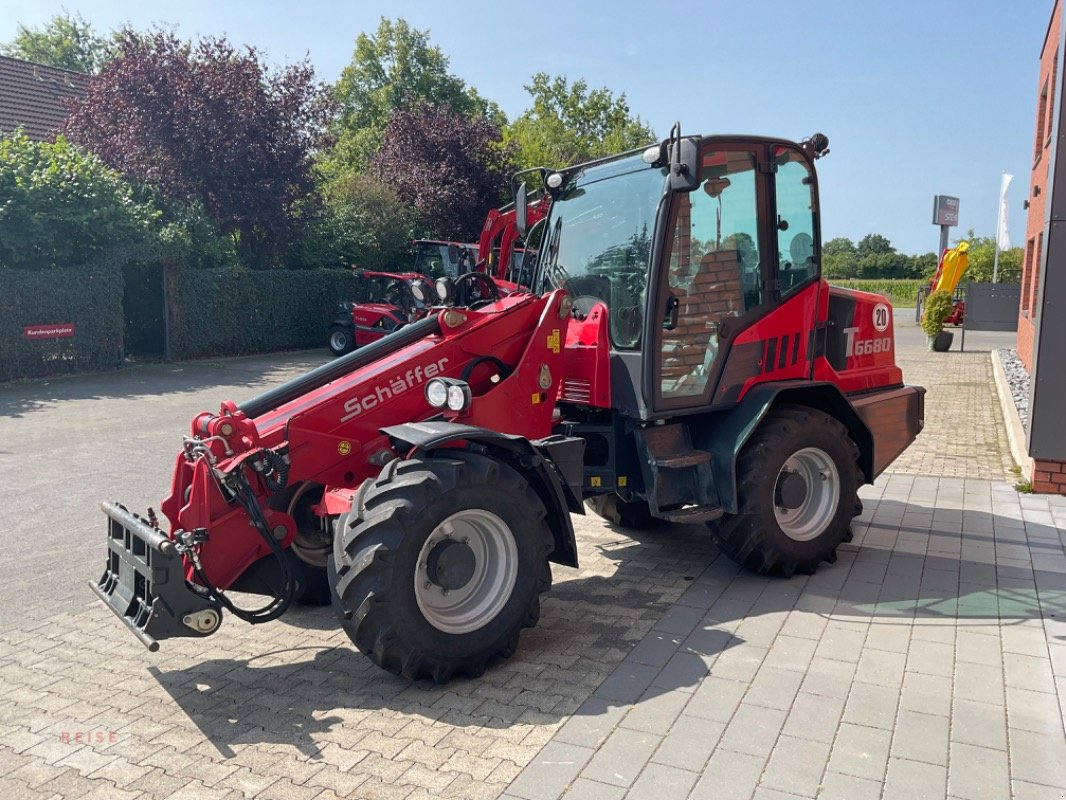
{"x":797,"y":483}
{"x":633,"y":514}
{"x":439,"y":565}
{"x":341,"y":340}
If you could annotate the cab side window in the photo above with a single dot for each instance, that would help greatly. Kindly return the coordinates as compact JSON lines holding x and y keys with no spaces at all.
{"x":796,"y":246}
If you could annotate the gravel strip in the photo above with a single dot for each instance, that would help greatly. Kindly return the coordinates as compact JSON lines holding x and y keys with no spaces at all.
{"x":1018,"y":380}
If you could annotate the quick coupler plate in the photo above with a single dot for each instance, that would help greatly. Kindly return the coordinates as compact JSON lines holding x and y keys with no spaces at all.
{"x":144,"y":582}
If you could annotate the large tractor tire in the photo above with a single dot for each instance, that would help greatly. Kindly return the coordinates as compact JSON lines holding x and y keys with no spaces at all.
{"x":797,"y":483}
{"x":633,"y":514}
{"x":440,"y":564}
{"x":341,"y":340}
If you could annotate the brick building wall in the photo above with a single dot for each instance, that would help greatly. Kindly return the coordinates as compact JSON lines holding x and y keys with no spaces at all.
{"x":1038,"y":188}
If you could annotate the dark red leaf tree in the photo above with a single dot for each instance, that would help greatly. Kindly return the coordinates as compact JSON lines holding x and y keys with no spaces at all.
{"x":450,"y":168}
{"x":210,"y":122}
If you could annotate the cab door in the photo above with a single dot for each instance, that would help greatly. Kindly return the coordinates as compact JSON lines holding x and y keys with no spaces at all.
{"x":713,"y":276}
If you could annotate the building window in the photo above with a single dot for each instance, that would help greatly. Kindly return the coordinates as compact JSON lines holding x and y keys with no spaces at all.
{"x":1051,"y":100}
{"x":1034,"y":297}
{"x":1041,"y":119}
{"x":1027,"y":271}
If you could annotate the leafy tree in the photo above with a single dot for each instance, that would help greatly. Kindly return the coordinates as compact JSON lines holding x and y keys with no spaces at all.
{"x":67,"y":41}
{"x":873,"y":244}
{"x":568,"y":123}
{"x":448,"y":167}
{"x":839,"y":258}
{"x":62,"y":207}
{"x":395,"y":68}
{"x":208,"y":123}
{"x":362,"y":223}
{"x":841,"y":246}
{"x":982,"y":257}
{"x":924,"y":266}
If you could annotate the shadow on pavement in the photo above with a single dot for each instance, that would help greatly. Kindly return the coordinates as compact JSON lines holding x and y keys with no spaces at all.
{"x":153,"y":380}
{"x":967,"y":567}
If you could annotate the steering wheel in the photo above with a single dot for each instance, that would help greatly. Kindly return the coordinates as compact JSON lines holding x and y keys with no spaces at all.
{"x":398,"y":293}
{"x":475,"y":289}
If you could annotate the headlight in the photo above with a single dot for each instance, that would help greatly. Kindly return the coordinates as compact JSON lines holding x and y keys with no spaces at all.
{"x":437,"y":393}
{"x":449,"y":393}
{"x":458,"y":397}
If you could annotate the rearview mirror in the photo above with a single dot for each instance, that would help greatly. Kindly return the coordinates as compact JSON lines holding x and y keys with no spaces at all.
{"x":684,"y":161}
{"x":521,"y":223}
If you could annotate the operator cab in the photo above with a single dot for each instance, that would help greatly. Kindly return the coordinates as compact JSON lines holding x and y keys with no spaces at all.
{"x":687,"y":244}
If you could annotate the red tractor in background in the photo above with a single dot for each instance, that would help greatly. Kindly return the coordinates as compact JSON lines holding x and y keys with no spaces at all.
{"x":386,"y":302}
{"x":677,"y":357}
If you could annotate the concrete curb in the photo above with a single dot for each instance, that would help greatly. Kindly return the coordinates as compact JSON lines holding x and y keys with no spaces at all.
{"x":1011,"y":419}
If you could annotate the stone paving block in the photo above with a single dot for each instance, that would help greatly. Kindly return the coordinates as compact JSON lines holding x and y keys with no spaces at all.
{"x":655,"y":712}
{"x":796,"y":766}
{"x":622,"y":757}
{"x":1024,"y":790}
{"x":790,"y":653}
{"x":655,"y":649}
{"x":774,"y":688}
{"x":663,"y":783}
{"x":921,"y":737}
{"x":740,"y":662}
{"x":847,"y":787}
{"x":977,"y":773}
{"x":729,"y":776}
{"x":861,"y":752}
{"x":679,"y":620}
{"x":753,"y":730}
{"x":627,"y":683}
{"x":872,"y":706}
{"x":828,"y":677}
{"x":683,"y":673}
{"x":930,"y":694}
{"x":814,"y":717}
{"x":907,"y":780}
{"x":1033,"y":711}
{"x":554,"y":768}
{"x":1028,"y":672}
{"x":979,"y":682}
{"x":689,"y":743}
{"x":881,"y":668}
{"x":978,"y":648}
{"x":584,"y":789}
{"x":1038,"y":758}
{"x":979,"y":724}
{"x":842,"y":641}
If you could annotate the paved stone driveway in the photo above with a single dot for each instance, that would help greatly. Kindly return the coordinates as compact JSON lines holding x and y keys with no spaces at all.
{"x":924,"y":662}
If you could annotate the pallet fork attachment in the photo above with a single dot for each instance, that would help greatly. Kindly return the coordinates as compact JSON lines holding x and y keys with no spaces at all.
{"x":144,"y":583}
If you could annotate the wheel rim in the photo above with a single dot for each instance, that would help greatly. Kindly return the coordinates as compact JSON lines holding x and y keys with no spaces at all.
{"x":495,"y":570}
{"x":338,"y":340}
{"x":821,"y":480}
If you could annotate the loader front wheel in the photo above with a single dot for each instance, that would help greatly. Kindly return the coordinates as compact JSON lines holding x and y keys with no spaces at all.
{"x":797,"y":483}
{"x":439,"y":565}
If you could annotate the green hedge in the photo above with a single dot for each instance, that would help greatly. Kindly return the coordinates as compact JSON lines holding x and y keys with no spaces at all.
{"x":92,"y":301}
{"x":900,"y":292}
{"x":236,"y":311}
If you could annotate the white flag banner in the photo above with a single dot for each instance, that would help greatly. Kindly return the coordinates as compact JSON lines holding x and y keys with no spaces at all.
{"x":1002,"y":235}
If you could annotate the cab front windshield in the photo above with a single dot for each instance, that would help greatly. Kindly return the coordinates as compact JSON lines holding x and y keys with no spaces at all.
{"x":598,"y":241}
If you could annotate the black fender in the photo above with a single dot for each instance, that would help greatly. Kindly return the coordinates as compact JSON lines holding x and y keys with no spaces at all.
{"x":725,"y":434}
{"x":553,"y":467}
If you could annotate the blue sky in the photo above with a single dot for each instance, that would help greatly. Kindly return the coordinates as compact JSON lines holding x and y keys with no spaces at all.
{"x":917,"y":98}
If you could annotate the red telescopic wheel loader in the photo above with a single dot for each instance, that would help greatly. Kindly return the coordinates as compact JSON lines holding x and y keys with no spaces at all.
{"x":679,"y":357}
